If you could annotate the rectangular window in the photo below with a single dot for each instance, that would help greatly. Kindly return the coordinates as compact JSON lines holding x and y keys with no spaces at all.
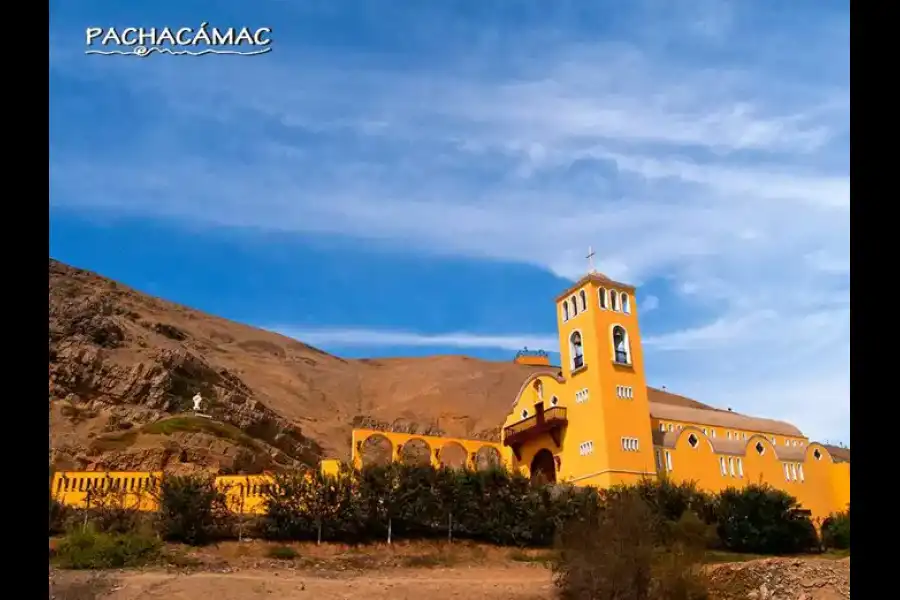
{"x":630,"y":444}
{"x":714,"y":433}
{"x":787,"y":472}
{"x":793,"y":472}
{"x":731,"y":465}
{"x":728,"y":435}
{"x":800,"y":472}
{"x":723,"y":465}
{"x":671,"y":427}
{"x":668,"y":460}
{"x":705,"y":431}
{"x":740,"y":465}
{"x":658,"y":460}
{"x":662,"y":427}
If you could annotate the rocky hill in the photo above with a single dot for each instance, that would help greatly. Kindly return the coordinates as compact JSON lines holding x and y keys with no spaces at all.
{"x":124,"y":366}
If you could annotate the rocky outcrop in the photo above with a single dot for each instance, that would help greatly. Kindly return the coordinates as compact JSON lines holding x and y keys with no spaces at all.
{"x":782,"y":579}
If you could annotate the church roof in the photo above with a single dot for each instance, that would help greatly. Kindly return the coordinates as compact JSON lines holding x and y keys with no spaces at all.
{"x":667,"y":439}
{"x":598,"y":278}
{"x":721,"y":418}
{"x":838,"y":454}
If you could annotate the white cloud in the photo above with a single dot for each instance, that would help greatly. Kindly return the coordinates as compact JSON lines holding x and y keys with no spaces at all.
{"x":728,"y":179}
{"x":650,"y":303}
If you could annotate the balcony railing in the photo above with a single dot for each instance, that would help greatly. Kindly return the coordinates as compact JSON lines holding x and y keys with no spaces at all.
{"x":549,"y":421}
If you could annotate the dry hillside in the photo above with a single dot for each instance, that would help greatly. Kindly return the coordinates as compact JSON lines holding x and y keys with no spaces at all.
{"x":124,"y":366}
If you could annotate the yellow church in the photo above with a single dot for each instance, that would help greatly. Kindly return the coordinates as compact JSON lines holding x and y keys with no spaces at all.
{"x":594,"y":421}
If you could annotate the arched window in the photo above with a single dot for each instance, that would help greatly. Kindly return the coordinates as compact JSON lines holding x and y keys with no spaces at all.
{"x":602,"y":293}
{"x":583,"y":300}
{"x":565,"y":306}
{"x":576,"y":350}
{"x":574,"y":306}
{"x":613,"y":300}
{"x":621,"y":349}
{"x":626,"y":305}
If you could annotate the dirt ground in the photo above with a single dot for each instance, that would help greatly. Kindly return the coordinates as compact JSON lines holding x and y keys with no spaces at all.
{"x":515,"y":583}
{"x":419,"y":571}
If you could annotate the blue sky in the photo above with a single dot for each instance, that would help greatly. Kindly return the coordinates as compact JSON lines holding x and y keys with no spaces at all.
{"x":407,"y":178}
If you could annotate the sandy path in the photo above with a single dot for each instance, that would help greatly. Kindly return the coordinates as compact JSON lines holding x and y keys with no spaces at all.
{"x":513,"y":583}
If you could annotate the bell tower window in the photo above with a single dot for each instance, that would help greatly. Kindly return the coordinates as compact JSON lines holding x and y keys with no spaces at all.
{"x":565,"y":308}
{"x":602,"y":294}
{"x":583,"y":298}
{"x":621,"y":348}
{"x":626,"y":305}
{"x":576,"y":349}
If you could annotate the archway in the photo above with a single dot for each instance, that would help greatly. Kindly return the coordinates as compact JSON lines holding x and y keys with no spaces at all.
{"x":453,"y":455}
{"x":487,"y":458}
{"x":376,"y":450}
{"x":416,"y":453}
{"x":543,"y":467}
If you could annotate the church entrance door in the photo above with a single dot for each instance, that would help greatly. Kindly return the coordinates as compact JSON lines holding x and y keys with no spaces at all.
{"x":543,"y":467}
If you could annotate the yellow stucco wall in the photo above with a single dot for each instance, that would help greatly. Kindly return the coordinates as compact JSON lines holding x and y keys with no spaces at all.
{"x":434,"y":444}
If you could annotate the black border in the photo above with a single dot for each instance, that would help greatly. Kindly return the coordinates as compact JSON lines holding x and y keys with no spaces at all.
{"x":871,"y":366}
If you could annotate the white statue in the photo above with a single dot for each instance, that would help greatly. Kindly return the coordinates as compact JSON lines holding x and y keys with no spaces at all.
{"x":197,"y":400}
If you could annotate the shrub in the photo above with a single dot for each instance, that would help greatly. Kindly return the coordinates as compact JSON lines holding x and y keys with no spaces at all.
{"x":616,"y":552}
{"x":677,"y":510}
{"x":192,"y":510}
{"x":89,"y":549}
{"x":763,"y":520}
{"x":836,"y":531}
{"x":282,"y":553}
{"x":107,"y":511}
{"x":59,"y":515}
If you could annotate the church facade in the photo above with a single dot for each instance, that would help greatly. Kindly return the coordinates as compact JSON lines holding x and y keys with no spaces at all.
{"x":594,"y":421}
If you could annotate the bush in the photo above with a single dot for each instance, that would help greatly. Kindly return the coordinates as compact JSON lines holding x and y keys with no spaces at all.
{"x":399,"y":501}
{"x":59,"y":515}
{"x":617,"y":552}
{"x":763,"y":520}
{"x":678,"y":511}
{"x":282,"y":553}
{"x":192,"y":510}
{"x":107,"y":511}
{"x":836,"y":531}
{"x":89,"y":549}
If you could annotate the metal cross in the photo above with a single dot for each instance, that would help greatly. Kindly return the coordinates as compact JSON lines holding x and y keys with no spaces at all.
{"x":590,"y":258}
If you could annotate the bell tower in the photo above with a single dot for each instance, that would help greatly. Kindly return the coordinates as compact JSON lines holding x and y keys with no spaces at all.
{"x":603,"y":363}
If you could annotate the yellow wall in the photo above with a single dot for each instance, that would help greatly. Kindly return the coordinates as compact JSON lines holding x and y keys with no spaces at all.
{"x":435,"y":444}
{"x":819,"y":485}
